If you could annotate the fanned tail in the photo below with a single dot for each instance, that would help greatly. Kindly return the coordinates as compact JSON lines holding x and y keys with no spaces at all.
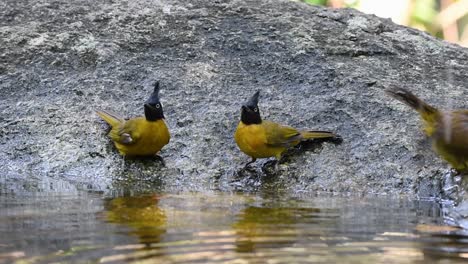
{"x":112,"y":119}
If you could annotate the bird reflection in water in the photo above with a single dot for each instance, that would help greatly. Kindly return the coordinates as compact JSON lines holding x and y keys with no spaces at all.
{"x":270,"y":227}
{"x":147,"y":220}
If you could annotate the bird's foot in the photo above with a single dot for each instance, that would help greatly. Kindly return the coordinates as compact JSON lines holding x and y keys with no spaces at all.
{"x":271,"y":167}
{"x":247,"y":166}
{"x":160,"y":159}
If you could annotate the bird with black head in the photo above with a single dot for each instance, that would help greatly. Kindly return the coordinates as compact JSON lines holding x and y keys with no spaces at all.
{"x":139,"y":136}
{"x":263,"y":139}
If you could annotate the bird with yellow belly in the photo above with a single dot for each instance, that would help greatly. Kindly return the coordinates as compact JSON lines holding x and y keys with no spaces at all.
{"x":140,"y":136}
{"x":263,"y":139}
{"x":447,"y":129}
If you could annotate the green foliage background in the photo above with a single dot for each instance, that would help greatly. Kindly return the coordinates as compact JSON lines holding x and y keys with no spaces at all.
{"x":423,"y":15}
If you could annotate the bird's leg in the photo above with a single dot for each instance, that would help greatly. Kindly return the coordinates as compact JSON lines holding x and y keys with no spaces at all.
{"x":250,"y":162}
{"x":158,"y":157}
{"x":279,"y":159}
{"x":270,"y":168}
{"x":277,"y":162}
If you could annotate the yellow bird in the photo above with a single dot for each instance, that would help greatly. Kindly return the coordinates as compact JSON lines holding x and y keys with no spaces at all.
{"x":447,"y":129}
{"x":140,"y":136}
{"x":263,"y":139}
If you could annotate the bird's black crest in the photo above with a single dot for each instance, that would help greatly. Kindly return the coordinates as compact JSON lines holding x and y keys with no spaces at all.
{"x":250,"y":114}
{"x":153,"y":107}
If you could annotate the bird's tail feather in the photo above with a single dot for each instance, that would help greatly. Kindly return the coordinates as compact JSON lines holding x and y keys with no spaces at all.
{"x":317,"y":134}
{"x":111,"y":118}
{"x":427,"y":112}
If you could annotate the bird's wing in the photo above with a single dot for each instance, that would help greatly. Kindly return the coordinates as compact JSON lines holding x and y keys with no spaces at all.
{"x":460,"y":128}
{"x":127,"y":133}
{"x":279,"y":135}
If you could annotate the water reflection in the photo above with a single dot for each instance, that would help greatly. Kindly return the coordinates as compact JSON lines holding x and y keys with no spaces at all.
{"x":225,"y":228}
{"x":260,"y":227}
{"x":141,"y":214}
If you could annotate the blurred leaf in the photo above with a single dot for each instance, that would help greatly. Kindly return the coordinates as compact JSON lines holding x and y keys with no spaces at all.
{"x":351,"y":3}
{"x":315,"y":2}
{"x":425,"y":15}
{"x":424,"y":11}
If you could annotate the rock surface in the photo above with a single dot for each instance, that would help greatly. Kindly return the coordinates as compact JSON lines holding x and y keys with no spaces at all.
{"x":318,"y":68}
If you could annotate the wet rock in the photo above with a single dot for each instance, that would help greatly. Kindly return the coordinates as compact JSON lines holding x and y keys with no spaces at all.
{"x":317,"y":68}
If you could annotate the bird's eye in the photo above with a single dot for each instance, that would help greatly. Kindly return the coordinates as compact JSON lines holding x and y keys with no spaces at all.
{"x":255,"y":109}
{"x":157,"y":105}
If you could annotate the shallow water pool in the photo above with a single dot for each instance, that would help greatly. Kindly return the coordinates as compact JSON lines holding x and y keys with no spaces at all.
{"x":219,"y":227}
